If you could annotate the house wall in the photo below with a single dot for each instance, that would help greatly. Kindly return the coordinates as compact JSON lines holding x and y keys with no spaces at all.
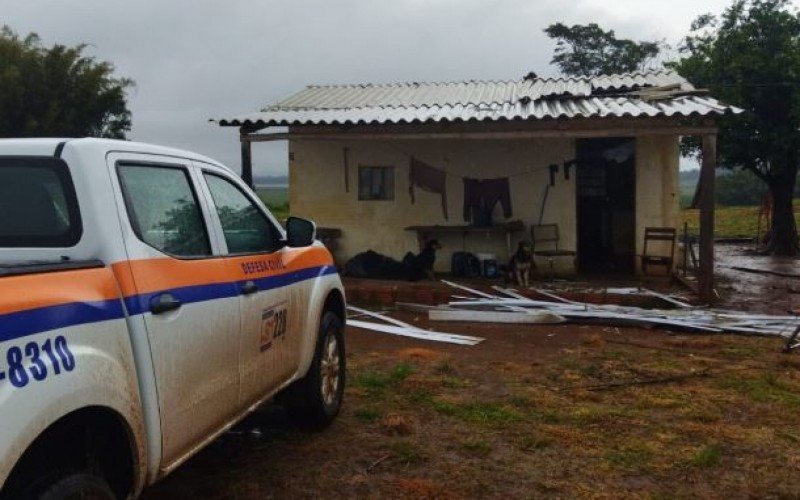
{"x":657,"y":190}
{"x":317,"y":190}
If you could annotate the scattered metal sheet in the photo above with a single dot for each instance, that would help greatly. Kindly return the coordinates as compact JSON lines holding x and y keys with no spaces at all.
{"x":470,"y":290}
{"x":416,"y":333}
{"x":398,"y":327}
{"x":530,"y":317}
{"x":667,"y":298}
{"x":687,"y":317}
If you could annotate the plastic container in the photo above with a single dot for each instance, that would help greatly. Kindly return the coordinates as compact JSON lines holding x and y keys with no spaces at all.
{"x":489,"y":267}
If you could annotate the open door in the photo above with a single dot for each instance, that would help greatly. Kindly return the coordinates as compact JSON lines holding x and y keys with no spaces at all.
{"x":606,"y":198}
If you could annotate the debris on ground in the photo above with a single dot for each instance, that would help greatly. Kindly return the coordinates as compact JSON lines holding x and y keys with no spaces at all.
{"x":509,"y":306}
{"x":397,"y":327}
{"x":512,"y":307}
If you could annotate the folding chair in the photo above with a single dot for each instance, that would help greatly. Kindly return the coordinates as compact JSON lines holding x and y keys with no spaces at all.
{"x":654,"y":234}
{"x":549,"y":235}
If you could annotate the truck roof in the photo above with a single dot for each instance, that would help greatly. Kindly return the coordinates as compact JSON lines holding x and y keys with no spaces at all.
{"x":47,"y":147}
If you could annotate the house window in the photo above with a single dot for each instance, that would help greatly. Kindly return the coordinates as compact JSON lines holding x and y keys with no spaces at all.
{"x":375,"y":183}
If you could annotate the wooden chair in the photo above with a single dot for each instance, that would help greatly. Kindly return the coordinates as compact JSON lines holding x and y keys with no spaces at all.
{"x":654,"y":234}
{"x":548,"y":234}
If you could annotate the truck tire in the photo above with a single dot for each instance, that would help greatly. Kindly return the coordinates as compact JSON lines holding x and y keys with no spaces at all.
{"x":314,"y":401}
{"x":77,"y":486}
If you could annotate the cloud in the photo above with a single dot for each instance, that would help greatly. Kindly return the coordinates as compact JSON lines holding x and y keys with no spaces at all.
{"x":197,"y":59}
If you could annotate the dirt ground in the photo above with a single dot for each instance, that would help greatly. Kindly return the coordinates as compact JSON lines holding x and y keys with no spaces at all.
{"x":533,"y":411}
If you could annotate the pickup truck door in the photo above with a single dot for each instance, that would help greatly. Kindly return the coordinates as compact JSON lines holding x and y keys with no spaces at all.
{"x":255,"y":254}
{"x":183,"y":289}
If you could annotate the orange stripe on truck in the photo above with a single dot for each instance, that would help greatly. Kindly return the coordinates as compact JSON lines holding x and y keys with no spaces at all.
{"x":152,"y":275}
{"x":31,"y":291}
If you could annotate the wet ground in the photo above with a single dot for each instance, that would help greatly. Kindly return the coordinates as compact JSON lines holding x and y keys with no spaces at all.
{"x":756,"y":291}
{"x":527,"y":413}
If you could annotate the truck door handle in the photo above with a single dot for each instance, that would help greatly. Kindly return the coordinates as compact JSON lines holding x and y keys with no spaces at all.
{"x":249,"y":287}
{"x":164,"y":303}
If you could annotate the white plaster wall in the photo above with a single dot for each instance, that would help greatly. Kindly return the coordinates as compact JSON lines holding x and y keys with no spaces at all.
{"x":657,"y":196}
{"x":317,"y":191}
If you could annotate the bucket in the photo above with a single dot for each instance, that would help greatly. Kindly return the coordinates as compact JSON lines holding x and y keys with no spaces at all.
{"x":489,"y":267}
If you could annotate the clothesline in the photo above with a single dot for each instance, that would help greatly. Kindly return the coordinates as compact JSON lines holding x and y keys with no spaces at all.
{"x":458,"y":176}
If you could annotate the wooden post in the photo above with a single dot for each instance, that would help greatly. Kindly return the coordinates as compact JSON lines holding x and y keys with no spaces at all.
{"x":707,"y":171}
{"x":247,"y":158}
{"x":346,"y":160}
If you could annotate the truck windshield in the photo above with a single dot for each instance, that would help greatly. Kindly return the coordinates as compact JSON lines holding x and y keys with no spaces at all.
{"x":38,"y":207}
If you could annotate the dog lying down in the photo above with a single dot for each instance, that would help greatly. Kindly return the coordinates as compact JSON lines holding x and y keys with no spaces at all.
{"x":413,"y":267}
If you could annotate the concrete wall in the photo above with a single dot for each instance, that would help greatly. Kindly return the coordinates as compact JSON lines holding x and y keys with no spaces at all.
{"x":657,"y":189}
{"x":317,"y":190}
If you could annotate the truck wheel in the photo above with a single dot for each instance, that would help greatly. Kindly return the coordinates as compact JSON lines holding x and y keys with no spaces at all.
{"x":78,"y":486}
{"x":315,"y":400}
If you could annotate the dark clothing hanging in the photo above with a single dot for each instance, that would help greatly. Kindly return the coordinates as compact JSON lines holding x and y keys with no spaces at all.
{"x":481,"y":195}
{"x":427,"y":178}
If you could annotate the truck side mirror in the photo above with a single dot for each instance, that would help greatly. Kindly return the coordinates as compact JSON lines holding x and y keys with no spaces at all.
{"x":300,"y":232}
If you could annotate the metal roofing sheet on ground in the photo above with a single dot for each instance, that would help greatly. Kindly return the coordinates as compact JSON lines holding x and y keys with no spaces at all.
{"x":527,"y":99}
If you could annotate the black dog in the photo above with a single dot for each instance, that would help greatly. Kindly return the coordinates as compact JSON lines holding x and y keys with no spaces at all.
{"x":420,"y":266}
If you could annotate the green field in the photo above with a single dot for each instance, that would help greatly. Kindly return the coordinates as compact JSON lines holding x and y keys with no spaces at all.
{"x":731,"y":222}
{"x":276,"y":199}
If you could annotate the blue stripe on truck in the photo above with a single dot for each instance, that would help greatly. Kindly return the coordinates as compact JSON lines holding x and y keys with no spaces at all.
{"x":31,"y":321}
{"x":23,"y":323}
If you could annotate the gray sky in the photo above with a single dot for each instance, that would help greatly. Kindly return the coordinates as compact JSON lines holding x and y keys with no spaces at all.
{"x":197,"y":59}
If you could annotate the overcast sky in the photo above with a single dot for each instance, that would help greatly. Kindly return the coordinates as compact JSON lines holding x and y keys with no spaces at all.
{"x":198,"y":59}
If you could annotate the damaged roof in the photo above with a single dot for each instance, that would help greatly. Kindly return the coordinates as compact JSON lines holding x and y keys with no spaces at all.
{"x":645,"y":94}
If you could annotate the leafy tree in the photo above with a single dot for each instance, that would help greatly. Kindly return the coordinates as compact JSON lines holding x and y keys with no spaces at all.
{"x":589,"y":50}
{"x":58,"y":91}
{"x":750,"y":57}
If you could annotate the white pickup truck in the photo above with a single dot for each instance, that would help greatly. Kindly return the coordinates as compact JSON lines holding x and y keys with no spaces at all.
{"x":148,"y":302}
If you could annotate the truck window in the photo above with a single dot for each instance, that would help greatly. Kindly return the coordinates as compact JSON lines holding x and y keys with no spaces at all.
{"x":163,"y":209}
{"x":38,"y":206}
{"x":246,"y":228}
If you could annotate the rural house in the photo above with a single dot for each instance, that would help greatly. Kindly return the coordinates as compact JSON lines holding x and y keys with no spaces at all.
{"x":481,"y":165}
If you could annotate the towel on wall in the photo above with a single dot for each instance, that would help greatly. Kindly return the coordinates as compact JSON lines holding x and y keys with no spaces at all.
{"x":429,"y":179}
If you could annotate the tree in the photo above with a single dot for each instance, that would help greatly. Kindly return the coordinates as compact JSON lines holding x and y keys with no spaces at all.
{"x":750,"y":57}
{"x":58,"y":91}
{"x":588,"y":50}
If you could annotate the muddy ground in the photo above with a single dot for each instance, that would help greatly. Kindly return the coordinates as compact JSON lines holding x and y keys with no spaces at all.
{"x":534,"y":411}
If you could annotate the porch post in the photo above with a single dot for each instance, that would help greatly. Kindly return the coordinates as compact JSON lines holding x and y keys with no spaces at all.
{"x":707,"y":170}
{"x":247,"y":157}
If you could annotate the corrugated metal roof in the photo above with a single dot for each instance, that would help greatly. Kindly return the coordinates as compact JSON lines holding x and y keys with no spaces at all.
{"x":527,"y":99}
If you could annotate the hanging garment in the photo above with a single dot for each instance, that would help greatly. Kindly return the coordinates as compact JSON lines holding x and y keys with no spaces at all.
{"x":481,"y":195}
{"x":429,"y":179}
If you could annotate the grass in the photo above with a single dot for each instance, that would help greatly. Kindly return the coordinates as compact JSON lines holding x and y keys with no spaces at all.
{"x":523,"y":423}
{"x":406,"y":452}
{"x":707,"y":456}
{"x":376,"y":382}
{"x":484,"y":413}
{"x":763,"y":388}
{"x":731,"y":222}
{"x":477,"y":447}
{"x":276,"y":199}
{"x":367,"y":414}
{"x":497,"y":425}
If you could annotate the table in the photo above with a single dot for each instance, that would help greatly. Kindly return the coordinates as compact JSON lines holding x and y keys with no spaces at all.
{"x":506,"y":228}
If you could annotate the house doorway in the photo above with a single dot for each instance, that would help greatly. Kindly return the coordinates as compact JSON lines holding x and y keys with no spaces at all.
{"x":606,"y":199}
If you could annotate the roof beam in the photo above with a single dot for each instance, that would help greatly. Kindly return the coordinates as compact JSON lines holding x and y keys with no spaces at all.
{"x":493,"y":135}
